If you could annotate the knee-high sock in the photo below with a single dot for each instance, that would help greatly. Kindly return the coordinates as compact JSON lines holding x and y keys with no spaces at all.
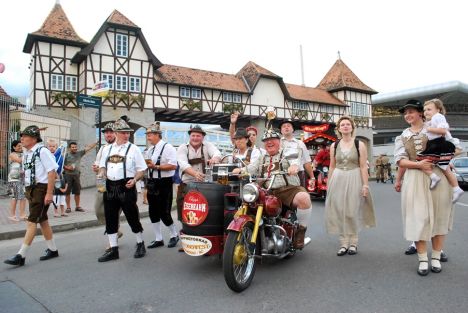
{"x":303,"y":216}
{"x":157,"y":231}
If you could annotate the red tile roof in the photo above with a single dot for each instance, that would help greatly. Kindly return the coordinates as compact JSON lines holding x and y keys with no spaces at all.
{"x":3,"y":93}
{"x":311,"y":94}
{"x":251,"y":72}
{"x":58,"y":26}
{"x":200,"y":78}
{"x":341,"y":77}
{"x":118,"y":18}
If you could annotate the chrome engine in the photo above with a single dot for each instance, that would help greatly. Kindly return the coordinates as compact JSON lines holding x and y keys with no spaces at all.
{"x":275,"y":241}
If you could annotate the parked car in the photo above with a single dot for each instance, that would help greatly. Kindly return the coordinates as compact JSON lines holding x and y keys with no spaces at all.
{"x":460,"y":166}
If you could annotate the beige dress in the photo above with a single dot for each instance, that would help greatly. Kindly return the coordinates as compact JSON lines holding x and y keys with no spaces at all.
{"x":346,"y":210}
{"x":425,"y":212}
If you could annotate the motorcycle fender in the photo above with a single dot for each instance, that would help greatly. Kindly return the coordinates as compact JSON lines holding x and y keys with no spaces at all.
{"x":239,"y":222}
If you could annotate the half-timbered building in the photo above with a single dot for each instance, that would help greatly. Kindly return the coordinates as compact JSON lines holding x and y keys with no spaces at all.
{"x":63,"y":65}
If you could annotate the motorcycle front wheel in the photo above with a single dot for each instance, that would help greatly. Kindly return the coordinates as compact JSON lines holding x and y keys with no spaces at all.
{"x":239,"y":259}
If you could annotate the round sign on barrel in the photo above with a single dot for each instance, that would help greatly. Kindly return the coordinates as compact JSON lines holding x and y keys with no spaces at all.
{"x":195,"y":208}
{"x":2,"y":67}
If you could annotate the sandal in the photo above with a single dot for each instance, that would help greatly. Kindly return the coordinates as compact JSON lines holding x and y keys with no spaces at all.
{"x":352,"y":250}
{"x":64,"y":215}
{"x":56,"y":215}
{"x":342,"y":251}
{"x":79,"y":209}
{"x":423,"y":271}
{"x":436,"y":267}
{"x":68,"y":210}
{"x":13,"y":218}
{"x":23,"y":218}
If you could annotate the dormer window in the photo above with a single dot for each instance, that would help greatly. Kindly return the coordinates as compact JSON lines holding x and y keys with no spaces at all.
{"x":300,"y":105}
{"x":121,"y":44}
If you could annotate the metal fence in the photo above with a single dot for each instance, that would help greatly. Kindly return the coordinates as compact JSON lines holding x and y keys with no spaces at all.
{"x":9,"y":131}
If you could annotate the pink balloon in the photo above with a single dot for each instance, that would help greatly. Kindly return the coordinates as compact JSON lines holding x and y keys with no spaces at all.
{"x":2,"y":67}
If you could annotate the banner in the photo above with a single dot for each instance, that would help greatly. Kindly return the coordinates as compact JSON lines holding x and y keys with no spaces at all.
{"x":100,"y":89}
{"x":315,"y":128}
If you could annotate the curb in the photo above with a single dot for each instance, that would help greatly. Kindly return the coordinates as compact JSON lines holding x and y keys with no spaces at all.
{"x":62,"y":228}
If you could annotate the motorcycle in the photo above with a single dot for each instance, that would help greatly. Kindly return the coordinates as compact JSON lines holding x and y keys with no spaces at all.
{"x":261,"y":227}
{"x":318,"y":188}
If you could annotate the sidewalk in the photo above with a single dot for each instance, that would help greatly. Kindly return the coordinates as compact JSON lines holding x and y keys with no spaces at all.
{"x":74,"y":220}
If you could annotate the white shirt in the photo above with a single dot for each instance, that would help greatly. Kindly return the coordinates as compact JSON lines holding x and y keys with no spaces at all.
{"x":169,"y":156}
{"x":297,"y":144}
{"x":438,"y":121}
{"x":256,"y":153}
{"x":209,"y":151}
{"x":44,"y":163}
{"x":99,"y":154}
{"x":134,"y":161}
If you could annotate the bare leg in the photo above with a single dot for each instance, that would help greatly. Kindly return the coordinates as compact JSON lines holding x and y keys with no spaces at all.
{"x":67,"y":201}
{"x":451,"y":177}
{"x":46,"y":230}
{"x":30,"y":233}
{"x":22,"y":205}
{"x":77,"y":200}
{"x":13,"y":207}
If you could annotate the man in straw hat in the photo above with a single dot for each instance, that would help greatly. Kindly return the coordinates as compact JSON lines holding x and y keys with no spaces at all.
{"x":123,"y":165}
{"x":193,"y":158}
{"x":161,"y":159}
{"x":286,"y":187}
{"x":40,"y":172}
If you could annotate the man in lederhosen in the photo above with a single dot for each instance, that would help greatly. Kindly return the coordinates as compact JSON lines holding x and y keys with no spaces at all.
{"x":193,"y":158}
{"x":289,"y":142}
{"x":40,"y":172}
{"x":162,"y":161}
{"x":123,"y":165}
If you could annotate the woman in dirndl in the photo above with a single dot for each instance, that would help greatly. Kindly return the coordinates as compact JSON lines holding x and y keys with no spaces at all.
{"x":427,"y":214}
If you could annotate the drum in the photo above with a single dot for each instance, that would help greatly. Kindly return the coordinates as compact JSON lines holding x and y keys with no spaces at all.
{"x":213,"y":223}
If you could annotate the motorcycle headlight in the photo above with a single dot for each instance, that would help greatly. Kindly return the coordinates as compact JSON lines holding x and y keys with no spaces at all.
{"x":325,"y":169}
{"x":250,"y":193}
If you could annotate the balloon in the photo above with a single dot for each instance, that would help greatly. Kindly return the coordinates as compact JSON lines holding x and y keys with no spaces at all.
{"x":2,"y":67}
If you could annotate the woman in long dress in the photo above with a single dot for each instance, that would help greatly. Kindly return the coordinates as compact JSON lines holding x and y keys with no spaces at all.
{"x":427,"y":214}
{"x":349,"y":205}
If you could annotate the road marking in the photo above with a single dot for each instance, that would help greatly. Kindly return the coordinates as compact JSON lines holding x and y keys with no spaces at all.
{"x":462,"y":204}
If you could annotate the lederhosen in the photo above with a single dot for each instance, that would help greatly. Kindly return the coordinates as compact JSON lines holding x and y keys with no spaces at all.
{"x":118,"y":197}
{"x":159,"y":194}
{"x":182,"y":189}
{"x":35,"y":192}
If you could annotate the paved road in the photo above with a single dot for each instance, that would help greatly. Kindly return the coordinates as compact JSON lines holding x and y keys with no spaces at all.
{"x":379,"y":279}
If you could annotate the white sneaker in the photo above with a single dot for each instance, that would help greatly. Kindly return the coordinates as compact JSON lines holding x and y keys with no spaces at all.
{"x":434,"y":181}
{"x":457,"y":194}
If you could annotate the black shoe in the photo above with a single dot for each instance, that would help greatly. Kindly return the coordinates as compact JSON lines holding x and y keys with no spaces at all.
{"x":436,"y":269}
{"x":423,"y":272}
{"x":443,"y":257}
{"x":173,"y":242}
{"x":140,"y":250}
{"x":110,"y":254}
{"x":49,"y":254}
{"x":411,"y":250}
{"x":15,"y":260}
{"x":155,"y":244}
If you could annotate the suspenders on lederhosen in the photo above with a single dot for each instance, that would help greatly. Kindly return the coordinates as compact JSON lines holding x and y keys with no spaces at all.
{"x":113,"y":191}
{"x":158,"y":162}
{"x":280,"y":165}
{"x":196,"y":161}
{"x":248,"y":156}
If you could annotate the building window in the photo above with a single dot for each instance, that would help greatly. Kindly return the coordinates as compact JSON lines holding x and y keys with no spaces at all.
{"x":227,"y":97}
{"x":109,"y":78}
{"x":236,"y":98}
{"x":359,"y":109}
{"x":56,"y":82}
{"x":70,"y":83}
{"x":300,"y":105}
{"x":196,"y":93}
{"x":120,"y":83}
{"x":326,"y":109}
{"x":185,"y":92}
{"x":121,"y":44}
{"x":135,"y":84}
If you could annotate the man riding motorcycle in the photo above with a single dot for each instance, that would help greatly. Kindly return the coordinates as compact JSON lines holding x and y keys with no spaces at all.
{"x":286,"y":187}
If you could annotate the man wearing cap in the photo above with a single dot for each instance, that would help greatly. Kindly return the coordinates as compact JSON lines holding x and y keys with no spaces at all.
{"x":286,"y":187}
{"x":289,"y":142}
{"x":193,"y":158}
{"x":71,"y":173}
{"x":109,"y":137}
{"x":161,"y":159}
{"x":40,"y":172}
{"x":122,"y":164}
